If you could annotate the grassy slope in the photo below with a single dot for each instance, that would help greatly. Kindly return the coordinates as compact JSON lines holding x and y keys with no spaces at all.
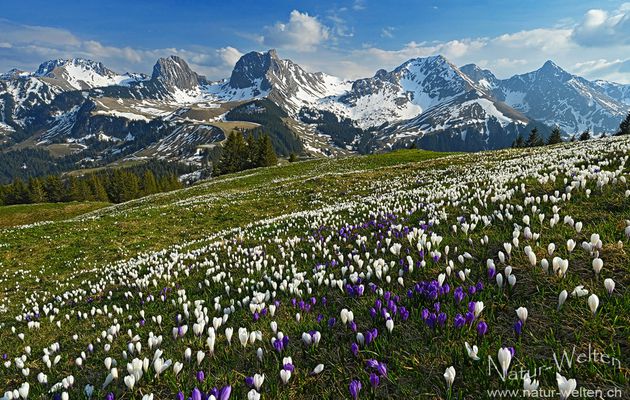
{"x":123,"y":231}
{"x":24,"y":214}
{"x":416,"y":356}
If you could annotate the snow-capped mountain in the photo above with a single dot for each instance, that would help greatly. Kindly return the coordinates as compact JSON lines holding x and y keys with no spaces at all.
{"x":617,"y":91}
{"x":80,"y":74}
{"x":92,"y":113}
{"x":257,"y":75}
{"x":406,"y":92}
{"x":556,"y":97}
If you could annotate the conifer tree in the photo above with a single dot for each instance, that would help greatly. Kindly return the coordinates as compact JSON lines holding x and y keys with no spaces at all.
{"x":534,"y":139}
{"x":233,"y":155}
{"x":252,"y":151}
{"x":97,"y":189}
{"x":586,"y":135}
{"x":555,"y":137}
{"x":624,"y":126}
{"x":149,"y":183}
{"x":518,"y":142}
{"x":73,"y":191}
{"x":54,"y":188}
{"x":18,"y":193}
{"x":36,"y":192}
{"x":266,"y":154}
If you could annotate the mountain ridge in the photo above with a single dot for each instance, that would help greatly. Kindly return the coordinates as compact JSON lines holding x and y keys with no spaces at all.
{"x":91,"y":110}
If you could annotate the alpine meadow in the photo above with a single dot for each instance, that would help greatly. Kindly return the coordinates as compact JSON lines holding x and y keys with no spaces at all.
{"x":401,"y":200}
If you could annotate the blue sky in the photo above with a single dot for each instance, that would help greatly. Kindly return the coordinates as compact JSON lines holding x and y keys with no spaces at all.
{"x":348,"y":38}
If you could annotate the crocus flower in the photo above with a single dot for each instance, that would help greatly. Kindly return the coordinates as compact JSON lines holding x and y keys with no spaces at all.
{"x":518,"y":327}
{"x":529,"y":386}
{"x":521,"y":312}
{"x":593,"y":303}
{"x":610,"y":285}
{"x":459,"y":321}
{"x":472,"y":351}
{"x":482,"y":328}
{"x":225,"y":392}
{"x":565,"y":386}
{"x":449,"y":376}
{"x":354,"y":348}
{"x":505,"y":357}
{"x":562,"y":298}
{"x":285,"y":375}
{"x":196,"y":394}
{"x":354,"y":388}
{"x":374,"y":380}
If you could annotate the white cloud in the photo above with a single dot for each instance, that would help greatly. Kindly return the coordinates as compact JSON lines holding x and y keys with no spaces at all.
{"x":358,"y":5}
{"x":387,"y":32}
{"x":230,"y":55}
{"x":303,"y":33}
{"x":603,"y":28}
{"x":26,"y":46}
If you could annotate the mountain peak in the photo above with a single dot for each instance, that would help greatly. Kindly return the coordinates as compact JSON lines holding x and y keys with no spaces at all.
{"x":14,"y":73}
{"x":47,"y":68}
{"x":482,"y":77}
{"x":550,"y":66}
{"x":251,"y":68}
{"x":174,"y":72}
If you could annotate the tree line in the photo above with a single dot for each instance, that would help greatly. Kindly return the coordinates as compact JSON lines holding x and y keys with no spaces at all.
{"x":113,"y":185}
{"x":535,"y":139}
{"x":239,"y":153}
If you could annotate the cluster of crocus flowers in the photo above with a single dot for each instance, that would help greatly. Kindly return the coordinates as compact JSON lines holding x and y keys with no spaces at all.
{"x":151,"y":328}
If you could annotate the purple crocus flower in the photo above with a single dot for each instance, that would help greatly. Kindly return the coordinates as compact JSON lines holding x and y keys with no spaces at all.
{"x":459,"y":294}
{"x":512,"y":351}
{"x":196,"y":394}
{"x":201,"y":376}
{"x":404,"y":314}
{"x":354,"y":348}
{"x":331,"y":322}
{"x":459,"y":321}
{"x":491,"y":273}
{"x":482,"y":328}
{"x":470,"y":317}
{"x":371,"y":363}
{"x":374,"y":380}
{"x":225,"y":392}
{"x":441,"y":319}
{"x":249,"y":381}
{"x":110,"y":396}
{"x":355,"y":388}
{"x":381,"y":368}
{"x":518,"y":327}
{"x":368,"y":337}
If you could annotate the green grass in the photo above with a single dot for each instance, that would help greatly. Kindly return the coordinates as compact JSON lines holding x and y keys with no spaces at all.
{"x":24,"y":214}
{"x":49,"y":259}
{"x":124,"y":230}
